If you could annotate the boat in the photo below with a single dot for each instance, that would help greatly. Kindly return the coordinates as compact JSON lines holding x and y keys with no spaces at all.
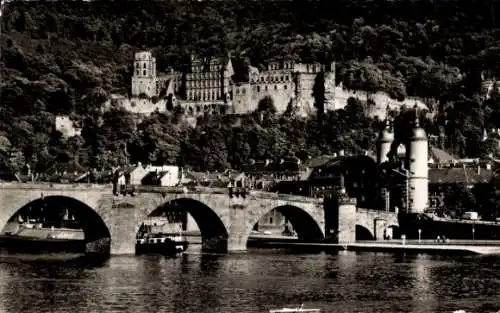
{"x":151,"y":240}
{"x":429,"y":225}
{"x":293,"y":310}
{"x":34,"y":236}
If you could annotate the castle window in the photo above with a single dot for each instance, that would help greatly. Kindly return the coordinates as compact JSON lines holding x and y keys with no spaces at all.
{"x":286,"y":77}
{"x":281,"y":78}
{"x":144,"y":72}
{"x":258,"y":88}
{"x":275,"y":87}
{"x":144,"y":65}
{"x":286,"y":87}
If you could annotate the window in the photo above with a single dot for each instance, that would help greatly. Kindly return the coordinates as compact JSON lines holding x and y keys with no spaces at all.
{"x":137,"y":72}
{"x":286,"y":87}
{"x":281,"y":78}
{"x":144,"y":65}
{"x":144,"y":72}
{"x":258,"y":88}
{"x":266,"y":88}
{"x":243,"y":91}
{"x":286,"y":77}
{"x":275,"y":87}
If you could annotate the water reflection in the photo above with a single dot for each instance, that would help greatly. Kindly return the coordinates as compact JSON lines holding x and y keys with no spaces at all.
{"x":252,"y":282}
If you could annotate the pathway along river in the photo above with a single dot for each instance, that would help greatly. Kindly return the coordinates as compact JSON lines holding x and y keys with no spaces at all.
{"x":251,"y":282}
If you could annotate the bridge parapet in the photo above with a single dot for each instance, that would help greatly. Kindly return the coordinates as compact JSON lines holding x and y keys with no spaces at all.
{"x":157,"y":189}
{"x":53,"y":186}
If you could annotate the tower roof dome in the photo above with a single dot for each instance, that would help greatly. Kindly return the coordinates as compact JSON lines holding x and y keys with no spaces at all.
{"x":386,"y":134}
{"x":417,"y":131}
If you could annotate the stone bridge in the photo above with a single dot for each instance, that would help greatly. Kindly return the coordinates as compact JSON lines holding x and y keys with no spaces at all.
{"x":375,"y":224}
{"x":111,"y":222}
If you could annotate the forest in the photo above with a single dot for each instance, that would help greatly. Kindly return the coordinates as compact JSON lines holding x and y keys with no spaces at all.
{"x":68,"y":57}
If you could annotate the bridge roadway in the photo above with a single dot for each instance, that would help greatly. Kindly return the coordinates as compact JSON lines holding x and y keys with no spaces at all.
{"x":111,"y":222}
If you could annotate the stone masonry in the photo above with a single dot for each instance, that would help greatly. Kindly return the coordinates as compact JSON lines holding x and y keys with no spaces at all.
{"x":118,"y":218}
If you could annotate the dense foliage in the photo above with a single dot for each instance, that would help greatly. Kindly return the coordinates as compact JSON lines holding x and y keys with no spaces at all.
{"x":67,"y":57}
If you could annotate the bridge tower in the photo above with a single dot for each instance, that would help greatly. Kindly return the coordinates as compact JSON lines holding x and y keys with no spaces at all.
{"x":385,"y":139}
{"x":417,"y":158}
{"x":384,"y":144}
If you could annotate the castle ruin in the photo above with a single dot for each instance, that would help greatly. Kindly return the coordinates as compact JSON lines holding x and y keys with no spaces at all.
{"x":207,"y":87}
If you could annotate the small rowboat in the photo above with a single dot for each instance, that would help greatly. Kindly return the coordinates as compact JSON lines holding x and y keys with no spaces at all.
{"x":293,"y":310}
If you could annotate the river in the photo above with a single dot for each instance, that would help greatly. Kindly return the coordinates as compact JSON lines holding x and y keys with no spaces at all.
{"x":250,"y":282}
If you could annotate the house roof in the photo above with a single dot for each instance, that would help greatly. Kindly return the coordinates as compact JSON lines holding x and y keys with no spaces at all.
{"x":468,"y":175}
{"x":284,"y":165}
{"x":126,"y":169}
{"x":318,"y":161}
{"x":441,"y":156}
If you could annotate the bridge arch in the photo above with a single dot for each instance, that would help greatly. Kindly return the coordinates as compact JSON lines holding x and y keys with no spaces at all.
{"x":363,"y":233}
{"x":97,"y":236}
{"x":213,"y":230}
{"x":304,"y":223}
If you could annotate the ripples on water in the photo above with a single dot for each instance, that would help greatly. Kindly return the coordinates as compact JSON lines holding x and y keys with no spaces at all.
{"x":251,"y":282}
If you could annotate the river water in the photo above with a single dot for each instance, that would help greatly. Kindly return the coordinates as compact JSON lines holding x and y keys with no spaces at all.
{"x":251,"y":282}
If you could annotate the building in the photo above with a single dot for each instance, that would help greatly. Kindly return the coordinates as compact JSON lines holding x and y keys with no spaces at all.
{"x":66,"y":126}
{"x":207,"y":87}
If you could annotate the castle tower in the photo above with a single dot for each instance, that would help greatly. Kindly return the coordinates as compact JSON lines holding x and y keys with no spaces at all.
{"x":417,"y":157}
{"x":144,"y":79}
{"x":385,"y":139}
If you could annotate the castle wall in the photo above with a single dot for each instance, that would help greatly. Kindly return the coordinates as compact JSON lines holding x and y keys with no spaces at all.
{"x":144,"y":85}
{"x":200,"y":108}
{"x":281,"y":93}
{"x":136,"y":105}
{"x":380,"y":101}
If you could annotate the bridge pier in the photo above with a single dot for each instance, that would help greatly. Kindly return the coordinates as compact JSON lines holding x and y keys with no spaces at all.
{"x":342,"y":218}
{"x":123,"y":226}
{"x":379,"y":229}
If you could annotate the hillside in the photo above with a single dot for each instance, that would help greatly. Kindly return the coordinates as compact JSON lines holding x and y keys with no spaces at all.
{"x":62,"y":58}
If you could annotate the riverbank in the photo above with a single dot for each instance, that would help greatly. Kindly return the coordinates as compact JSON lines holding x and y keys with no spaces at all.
{"x":483,"y":247}
{"x":386,"y":246}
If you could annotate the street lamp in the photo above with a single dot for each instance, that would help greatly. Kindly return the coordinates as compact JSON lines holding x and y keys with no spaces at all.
{"x":419,"y":235}
{"x":473,"y":231}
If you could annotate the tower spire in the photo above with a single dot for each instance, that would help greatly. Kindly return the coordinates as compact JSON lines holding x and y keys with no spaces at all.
{"x":416,"y":122}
